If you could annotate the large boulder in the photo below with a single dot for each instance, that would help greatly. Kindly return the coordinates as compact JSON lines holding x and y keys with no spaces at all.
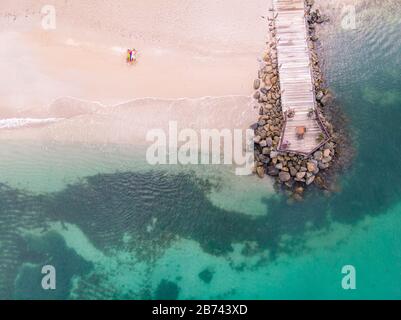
{"x":261,"y":122}
{"x":311,"y":166}
{"x":284,"y":176}
{"x":266,"y":151}
{"x":327,"y":99}
{"x":318,"y":155}
{"x":293,"y":171}
{"x":263,"y":143}
{"x":310,"y":180}
{"x":273,"y":154}
{"x":260,"y":171}
{"x":256,"y":84}
{"x":323,"y":166}
{"x":327,"y":159}
{"x":272,"y":171}
{"x":268,"y":81}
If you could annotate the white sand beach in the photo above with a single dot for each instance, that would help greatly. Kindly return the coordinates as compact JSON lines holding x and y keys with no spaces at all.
{"x":188,"y":50}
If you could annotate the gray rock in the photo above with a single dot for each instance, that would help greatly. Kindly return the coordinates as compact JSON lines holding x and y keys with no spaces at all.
{"x":284,"y":176}
{"x":320,"y":95}
{"x":269,"y":69}
{"x":260,"y":171}
{"x":318,"y":155}
{"x":310,"y":180}
{"x":273,"y":154}
{"x":327,"y":159}
{"x":264,"y":159}
{"x":257,"y":139}
{"x":268,"y":82}
{"x":256,"y":96}
{"x":272,"y":171}
{"x":256,"y":84}
{"x":293,"y":171}
{"x":269,"y":141}
{"x":301,"y":175}
{"x":323,"y":166}
{"x":311,"y":166}
{"x":327,"y":99}
{"x":279,"y":166}
{"x":266,"y":151}
{"x":264,"y":90}
{"x":329,"y":145}
{"x":263,"y":143}
{"x":261,"y":157}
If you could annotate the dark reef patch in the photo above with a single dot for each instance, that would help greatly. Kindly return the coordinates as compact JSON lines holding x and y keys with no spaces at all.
{"x":167,"y":290}
{"x":206,"y":275}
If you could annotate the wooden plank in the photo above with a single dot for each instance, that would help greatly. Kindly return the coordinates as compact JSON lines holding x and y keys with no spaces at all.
{"x":296,"y":82}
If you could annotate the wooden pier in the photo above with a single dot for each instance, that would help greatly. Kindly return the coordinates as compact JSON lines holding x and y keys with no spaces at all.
{"x":296,"y":80}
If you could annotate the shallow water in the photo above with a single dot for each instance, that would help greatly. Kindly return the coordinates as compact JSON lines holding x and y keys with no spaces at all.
{"x":128,"y":231}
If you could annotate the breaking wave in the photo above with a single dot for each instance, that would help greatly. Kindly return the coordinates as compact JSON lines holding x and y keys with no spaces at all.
{"x":11,"y":123}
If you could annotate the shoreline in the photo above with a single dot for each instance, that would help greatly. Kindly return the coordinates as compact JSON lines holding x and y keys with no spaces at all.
{"x":294,"y":172}
{"x":128,"y":123}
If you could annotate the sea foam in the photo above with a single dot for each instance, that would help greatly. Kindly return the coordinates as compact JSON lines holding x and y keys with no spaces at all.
{"x":22,"y":122}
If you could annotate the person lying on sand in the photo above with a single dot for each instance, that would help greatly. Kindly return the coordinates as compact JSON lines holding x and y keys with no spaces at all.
{"x":128,"y":55}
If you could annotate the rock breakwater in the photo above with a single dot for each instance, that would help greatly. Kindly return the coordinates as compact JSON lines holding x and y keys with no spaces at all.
{"x":291,"y":170}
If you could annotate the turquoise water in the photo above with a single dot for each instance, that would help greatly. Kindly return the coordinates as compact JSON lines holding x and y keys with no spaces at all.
{"x":156,"y":234}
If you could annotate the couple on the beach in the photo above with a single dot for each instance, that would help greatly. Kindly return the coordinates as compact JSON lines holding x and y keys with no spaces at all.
{"x":131,"y":55}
